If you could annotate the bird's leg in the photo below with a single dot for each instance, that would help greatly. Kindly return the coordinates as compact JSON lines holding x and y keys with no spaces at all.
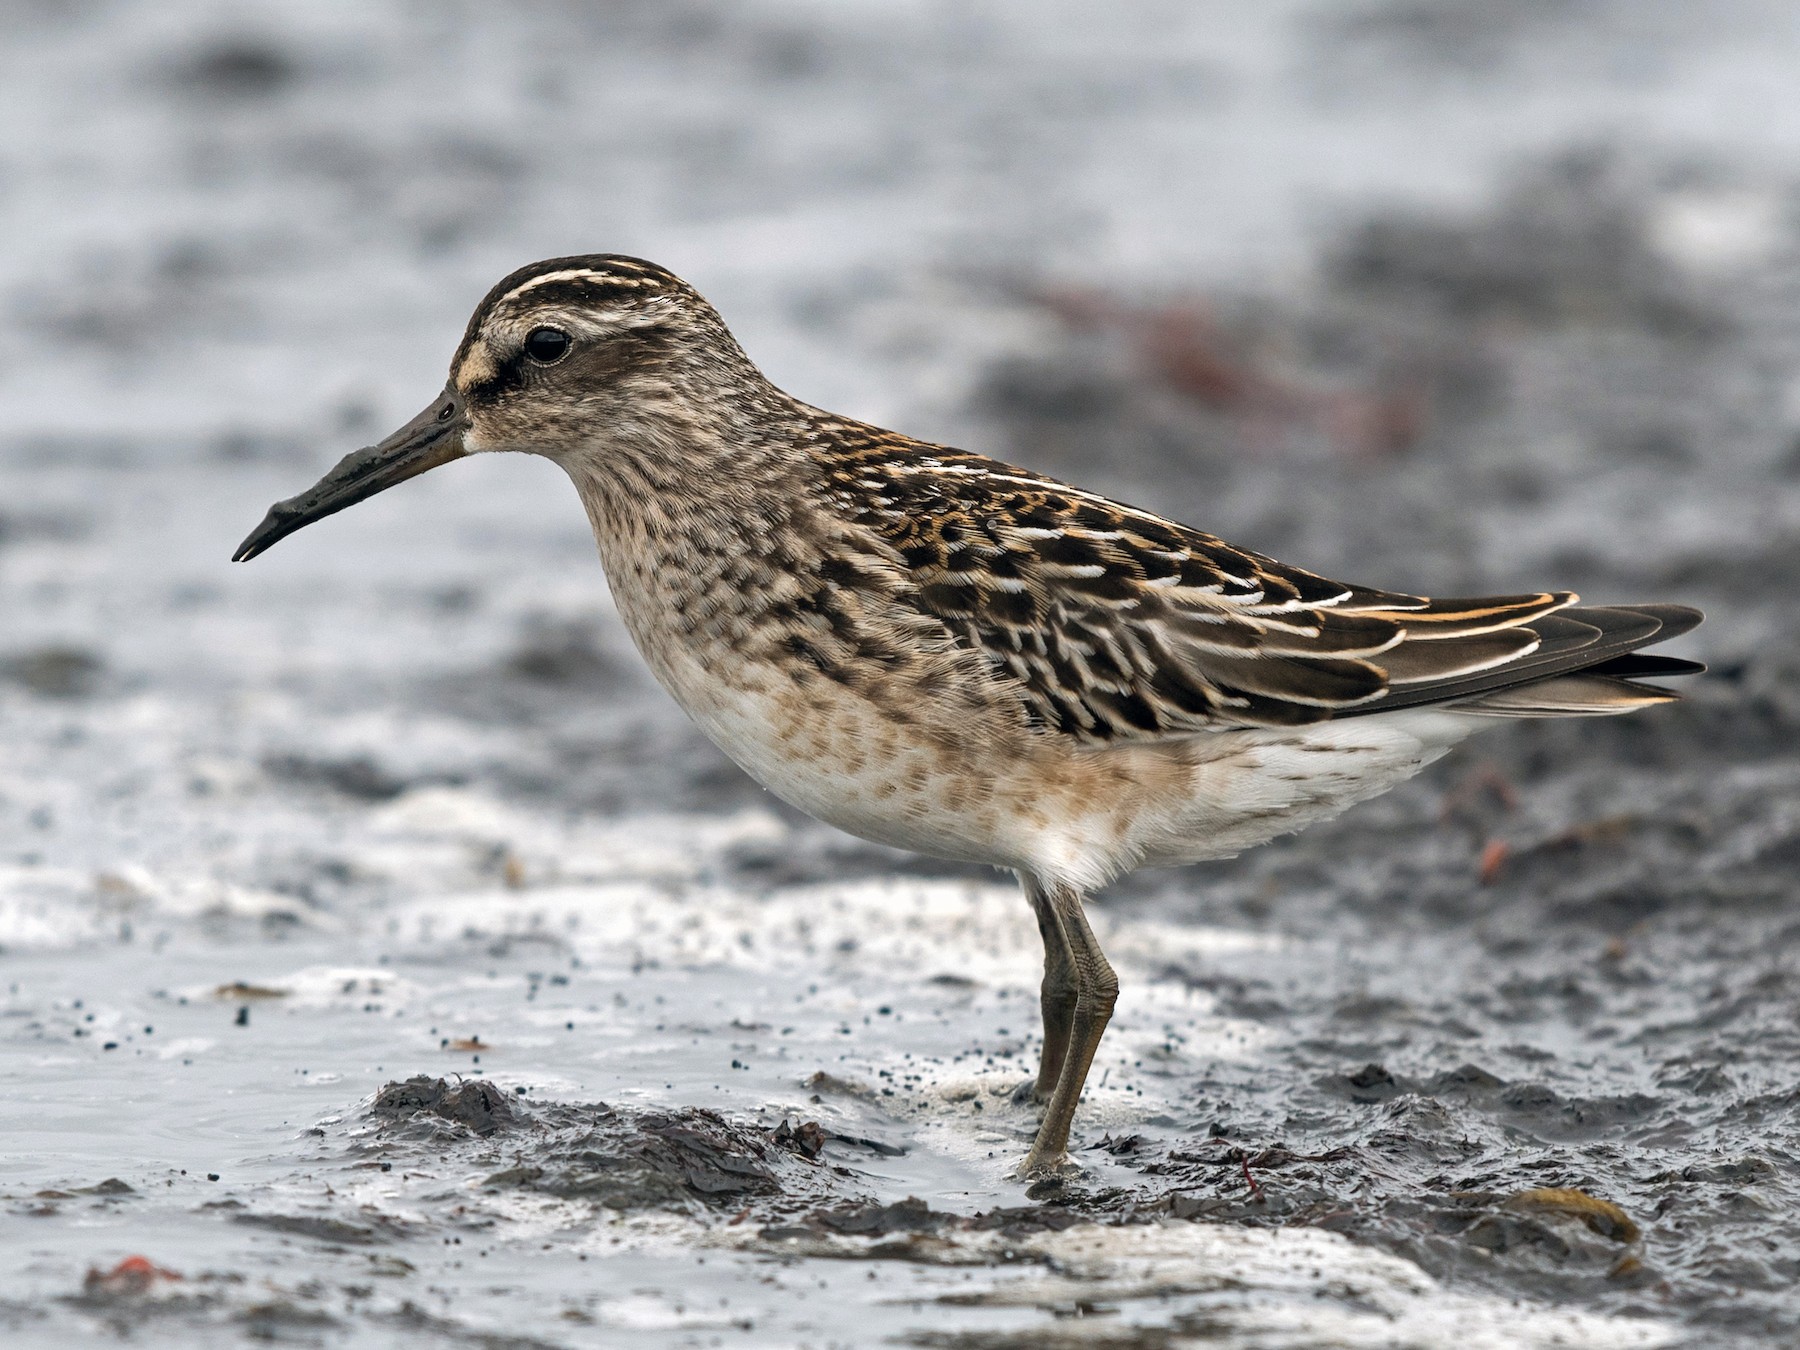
{"x":1057,"y":996}
{"x":1096,"y":990}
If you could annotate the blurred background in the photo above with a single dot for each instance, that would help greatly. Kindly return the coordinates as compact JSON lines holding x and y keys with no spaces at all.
{"x":1437,"y":295}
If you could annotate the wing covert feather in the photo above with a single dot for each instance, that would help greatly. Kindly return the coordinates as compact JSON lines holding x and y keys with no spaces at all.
{"x":1114,"y":623}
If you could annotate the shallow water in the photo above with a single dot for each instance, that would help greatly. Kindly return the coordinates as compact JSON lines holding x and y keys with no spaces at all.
{"x":1450,"y":296}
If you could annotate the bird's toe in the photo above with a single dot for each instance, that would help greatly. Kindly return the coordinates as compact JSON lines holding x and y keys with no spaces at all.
{"x":1039,"y":1167}
{"x":1027,"y":1094}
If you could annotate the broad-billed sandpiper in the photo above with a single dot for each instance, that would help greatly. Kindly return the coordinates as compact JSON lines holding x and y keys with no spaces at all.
{"x":942,"y":652}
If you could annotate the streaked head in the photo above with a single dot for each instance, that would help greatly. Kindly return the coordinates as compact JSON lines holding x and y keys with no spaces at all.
{"x":559,"y":359}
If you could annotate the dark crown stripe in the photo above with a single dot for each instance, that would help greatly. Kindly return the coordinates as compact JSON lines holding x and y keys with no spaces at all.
{"x":595,"y":290}
{"x":625,"y":276}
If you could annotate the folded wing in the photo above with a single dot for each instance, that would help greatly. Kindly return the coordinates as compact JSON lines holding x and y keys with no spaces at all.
{"x":1116,"y":623}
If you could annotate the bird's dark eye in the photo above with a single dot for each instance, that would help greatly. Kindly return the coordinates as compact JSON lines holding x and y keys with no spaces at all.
{"x":546,"y":345}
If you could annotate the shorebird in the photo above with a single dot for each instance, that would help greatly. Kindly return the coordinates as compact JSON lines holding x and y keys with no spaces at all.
{"x":939,"y":651}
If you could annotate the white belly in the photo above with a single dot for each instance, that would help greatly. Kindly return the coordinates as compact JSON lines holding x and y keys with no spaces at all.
{"x":938,"y":782}
{"x":833,"y":756}
{"x":1277,"y":781}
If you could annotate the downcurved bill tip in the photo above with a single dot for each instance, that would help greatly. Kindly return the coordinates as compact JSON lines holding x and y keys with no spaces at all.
{"x":432,"y":438}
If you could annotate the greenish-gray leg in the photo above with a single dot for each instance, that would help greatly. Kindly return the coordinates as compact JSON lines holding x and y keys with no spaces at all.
{"x":1096,"y":991}
{"x":1057,"y":995}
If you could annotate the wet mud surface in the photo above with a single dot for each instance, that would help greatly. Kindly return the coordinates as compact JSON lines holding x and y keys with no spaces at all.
{"x":384,"y":961}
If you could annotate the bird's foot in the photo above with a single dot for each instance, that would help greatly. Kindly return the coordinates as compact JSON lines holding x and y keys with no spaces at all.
{"x":1029,"y":1093}
{"x":1041,"y":1167}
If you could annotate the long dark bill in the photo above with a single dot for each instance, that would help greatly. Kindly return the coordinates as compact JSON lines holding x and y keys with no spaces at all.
{"x":432,"y":438}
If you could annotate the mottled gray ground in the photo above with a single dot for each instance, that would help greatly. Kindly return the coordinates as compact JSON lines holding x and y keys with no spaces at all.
{"x":386,"y":962}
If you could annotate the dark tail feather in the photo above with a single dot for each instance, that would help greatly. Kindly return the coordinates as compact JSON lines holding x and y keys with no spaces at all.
{"x":1582,"y":695}
{"x":1584,"y":664}
{"x":1643,"y":666}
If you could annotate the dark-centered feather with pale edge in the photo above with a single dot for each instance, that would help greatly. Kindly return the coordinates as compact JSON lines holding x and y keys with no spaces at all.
{"x":1114,"y":623}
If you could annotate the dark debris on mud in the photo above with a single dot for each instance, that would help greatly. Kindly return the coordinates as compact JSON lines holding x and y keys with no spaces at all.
{"x":54,"y":671}
{"x":792,"y":1188}
{"x":613,"y":1157}
{"x":910,"y":1230}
